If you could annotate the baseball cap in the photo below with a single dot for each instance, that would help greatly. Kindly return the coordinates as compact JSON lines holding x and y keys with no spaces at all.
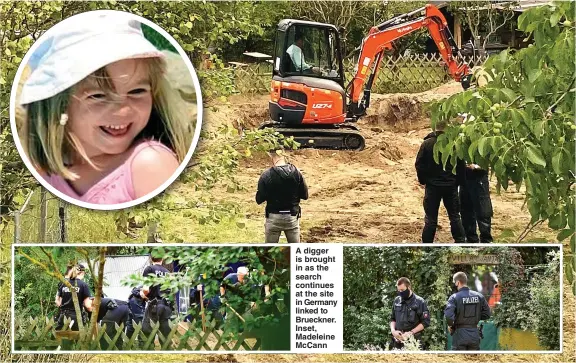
{"x":81,"y":267}
{"x":80,"y":45}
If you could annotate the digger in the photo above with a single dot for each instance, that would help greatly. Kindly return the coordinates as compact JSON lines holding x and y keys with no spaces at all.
{"x":311,"y":103}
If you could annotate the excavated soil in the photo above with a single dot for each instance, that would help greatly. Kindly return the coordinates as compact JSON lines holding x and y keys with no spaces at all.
{"x":372,"y":195}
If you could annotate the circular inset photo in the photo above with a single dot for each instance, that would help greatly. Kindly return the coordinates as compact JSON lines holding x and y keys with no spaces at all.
{"x":106,"y":110}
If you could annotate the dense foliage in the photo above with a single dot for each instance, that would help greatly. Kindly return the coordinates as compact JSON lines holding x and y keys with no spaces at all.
{"x":370,"y":286}
{"x":248,"y":308}
{"x":520,"y":125}
{"x":545,"y":299}
{"x":370,"y":276}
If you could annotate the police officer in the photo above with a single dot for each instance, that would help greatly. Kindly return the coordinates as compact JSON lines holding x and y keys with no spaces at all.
{"x":440,"y":185}
{"x":158,"y":308}
{"x":476,"y":206}
{"x":410,"y":315}
{"x":57,"y":298}
{"x":463,"y":312}
{"x":137,"y":306}
{"x":112,"y":312}
{"x":65,"y":302}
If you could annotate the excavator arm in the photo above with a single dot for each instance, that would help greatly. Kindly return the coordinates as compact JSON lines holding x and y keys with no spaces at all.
{"x":380,"y":39}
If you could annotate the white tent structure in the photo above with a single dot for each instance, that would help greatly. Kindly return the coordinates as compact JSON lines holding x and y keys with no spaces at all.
{"x":118,"y":268}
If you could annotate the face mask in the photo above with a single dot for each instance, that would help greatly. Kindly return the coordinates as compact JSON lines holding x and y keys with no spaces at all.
{"x":404,"y":295}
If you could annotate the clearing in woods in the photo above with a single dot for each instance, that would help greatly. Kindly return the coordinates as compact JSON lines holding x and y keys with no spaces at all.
{"x":367,"y":196}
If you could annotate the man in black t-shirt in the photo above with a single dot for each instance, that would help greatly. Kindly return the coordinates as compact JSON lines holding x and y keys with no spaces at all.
{"x":158,"y":308}
{"x":282,"y":187}
{"x":66,"y":304}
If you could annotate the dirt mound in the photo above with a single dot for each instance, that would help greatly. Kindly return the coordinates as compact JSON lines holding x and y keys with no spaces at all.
{"x":405,"y":111}
{"x":397,"y":112}
{"x":252,"y":115}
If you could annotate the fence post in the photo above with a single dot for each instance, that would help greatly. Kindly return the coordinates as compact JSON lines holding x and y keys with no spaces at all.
{"x":43,"y":213}
{"x":152,"y":235}
{"x":17,"y":215}
{"x":16,"y":226}
{"x":62,"y":218}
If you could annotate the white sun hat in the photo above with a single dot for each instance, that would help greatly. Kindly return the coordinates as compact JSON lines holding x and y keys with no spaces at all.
{"x":80,"y":45}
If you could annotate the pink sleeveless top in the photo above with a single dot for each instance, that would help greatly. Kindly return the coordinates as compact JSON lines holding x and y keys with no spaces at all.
{"x":114,"y":188}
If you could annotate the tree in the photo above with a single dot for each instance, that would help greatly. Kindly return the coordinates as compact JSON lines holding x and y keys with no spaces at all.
{"x":521,"y":124}
{"x":196,"y":28}
{"x":51,"y":262}
{"x":483,"y":18}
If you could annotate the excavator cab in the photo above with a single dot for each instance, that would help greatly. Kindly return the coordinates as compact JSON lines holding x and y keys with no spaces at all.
{"x":307,"y":97}
{"x":308,"y":49}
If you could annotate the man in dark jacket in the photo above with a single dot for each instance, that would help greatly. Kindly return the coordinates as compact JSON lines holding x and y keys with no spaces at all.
{"x":463,"y":312}
{"x":441,"y":185}
{"x":137,"y":306}
{"x":476,"y":205}
{"x":282,"y":187}
{"x":410,"y":315}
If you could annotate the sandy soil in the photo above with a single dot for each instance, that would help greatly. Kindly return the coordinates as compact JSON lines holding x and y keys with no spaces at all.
{"x":372,"y":195}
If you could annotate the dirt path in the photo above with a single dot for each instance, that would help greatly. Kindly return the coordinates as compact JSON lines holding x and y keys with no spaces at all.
{"x":372,"y":195}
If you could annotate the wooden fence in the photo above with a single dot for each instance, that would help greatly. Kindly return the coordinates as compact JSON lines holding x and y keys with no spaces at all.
{"x":405,"y":74}
{"x":38,"y":334}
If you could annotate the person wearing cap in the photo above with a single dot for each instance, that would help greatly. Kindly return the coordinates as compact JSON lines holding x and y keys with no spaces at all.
{"x":282,"y":186}
{"x":102,"y":124}
{"x":158,"y":307}
{"x":463,"y":312}
{"x":296,"y":55}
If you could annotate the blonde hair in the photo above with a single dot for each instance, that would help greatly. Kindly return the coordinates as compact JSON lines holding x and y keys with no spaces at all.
{"x":50,"y":146}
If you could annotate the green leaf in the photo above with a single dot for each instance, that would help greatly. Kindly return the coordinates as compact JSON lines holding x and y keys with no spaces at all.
{"x":554,"y":18}
{"x":565,"y":233}
{"x":533,"y":76}
{"x":484,"y":146}
{"x":510,"y":95}
{"x":557,"y":162}
{"x":535,"y":156}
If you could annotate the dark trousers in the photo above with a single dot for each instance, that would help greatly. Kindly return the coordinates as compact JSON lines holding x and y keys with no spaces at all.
{"x":118,"y":315}
{"x":476,"y":209}
{"x":130,"y":326}
{"x":466,"y":339}
{"x":157,"y":313}
{"x":449,"y":196}
{"x":71,"y":314}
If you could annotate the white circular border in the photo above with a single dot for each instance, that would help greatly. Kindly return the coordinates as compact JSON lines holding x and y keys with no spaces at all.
{"x":161,"y":188}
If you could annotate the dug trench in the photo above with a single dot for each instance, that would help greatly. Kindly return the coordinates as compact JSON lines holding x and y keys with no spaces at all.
{"x":372,"y":195}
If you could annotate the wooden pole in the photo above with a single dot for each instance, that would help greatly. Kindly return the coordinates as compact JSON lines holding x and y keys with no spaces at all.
{"x":62,"y":217}
{"x":458,"y":30}
{"x":16,"y":226}
{"x":43,"y":213}
{"x":202,"y":312}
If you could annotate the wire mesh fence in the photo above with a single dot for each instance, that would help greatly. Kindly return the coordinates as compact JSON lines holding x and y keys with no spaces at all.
{"x":45,"y":218}
{"x":411,"y":73}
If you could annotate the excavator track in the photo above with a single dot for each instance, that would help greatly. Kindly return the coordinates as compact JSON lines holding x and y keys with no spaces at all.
{"x":337,"y":137}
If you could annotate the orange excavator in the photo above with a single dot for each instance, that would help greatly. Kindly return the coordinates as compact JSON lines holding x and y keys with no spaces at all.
{"x":308,"y":99}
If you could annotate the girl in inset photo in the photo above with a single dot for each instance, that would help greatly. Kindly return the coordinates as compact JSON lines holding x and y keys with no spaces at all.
{"x":102,"y":123}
